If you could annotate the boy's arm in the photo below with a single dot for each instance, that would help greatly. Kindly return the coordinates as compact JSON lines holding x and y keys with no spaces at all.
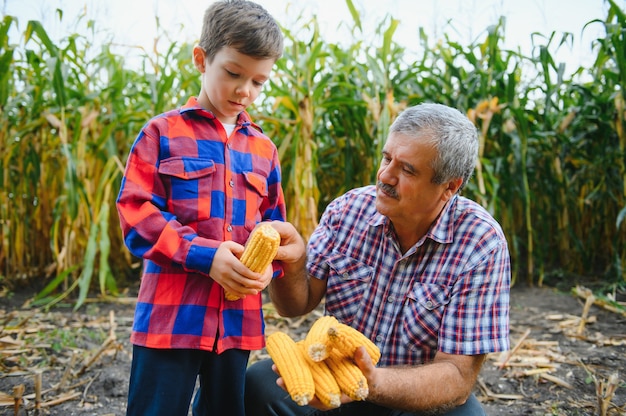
{"x":149,"y":230}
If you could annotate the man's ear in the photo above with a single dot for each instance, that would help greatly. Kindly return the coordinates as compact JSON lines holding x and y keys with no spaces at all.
{"x":452,"y":188}
{"x":199,"y":58}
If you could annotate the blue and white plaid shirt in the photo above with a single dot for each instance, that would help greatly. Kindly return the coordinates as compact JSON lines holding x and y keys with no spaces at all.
{"x":449,"y":292}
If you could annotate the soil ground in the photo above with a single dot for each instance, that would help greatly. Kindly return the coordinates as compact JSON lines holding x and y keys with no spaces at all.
{"x":567,"y":357}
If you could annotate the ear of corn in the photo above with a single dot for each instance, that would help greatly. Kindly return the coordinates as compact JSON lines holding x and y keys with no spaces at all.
{"x":316,"y":341}
{"x":348,"y":375}
{"x":230,"y":296}
{"x":292,"y":366}
{"x":261,"y":248}
{"x":260,"y":251}
{"x":326,"y":388}
{"x":347,"y":339}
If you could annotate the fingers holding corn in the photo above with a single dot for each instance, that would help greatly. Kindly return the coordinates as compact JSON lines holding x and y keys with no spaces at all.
{"x":259,"y":252}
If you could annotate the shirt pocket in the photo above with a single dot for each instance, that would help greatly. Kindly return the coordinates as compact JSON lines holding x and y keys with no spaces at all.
{"x":348,"y":280}
{"x":422,"y":315}
{"x":189,"y":184}
{"x":256,"y":195}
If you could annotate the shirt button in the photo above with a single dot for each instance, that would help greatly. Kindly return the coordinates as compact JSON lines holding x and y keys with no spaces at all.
{"x":379,"y":338}
{"x":231,"y":183}
{"x":391,"y":299}
{"x":429,"y":305}
{"x":346,"y":275}
{"x":229,"y":228}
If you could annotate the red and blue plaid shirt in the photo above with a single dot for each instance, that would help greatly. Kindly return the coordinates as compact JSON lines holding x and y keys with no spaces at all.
{"x":449,"y":292}
{"x":187,"y":188}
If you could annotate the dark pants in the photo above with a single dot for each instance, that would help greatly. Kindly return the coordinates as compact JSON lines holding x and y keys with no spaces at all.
{"x":162,"y":382}
{"x":265,"y":398}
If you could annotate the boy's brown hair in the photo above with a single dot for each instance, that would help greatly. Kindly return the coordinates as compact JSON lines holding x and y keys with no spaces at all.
{"x":242,"y":25}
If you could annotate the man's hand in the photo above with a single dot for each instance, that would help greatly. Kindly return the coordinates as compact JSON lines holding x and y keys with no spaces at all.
{"x":364,"y":362}
{"x":292,"y":248}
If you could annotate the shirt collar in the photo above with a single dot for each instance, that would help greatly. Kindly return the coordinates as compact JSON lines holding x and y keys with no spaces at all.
{"x":441,"y":230}
{"x":243,"y":119}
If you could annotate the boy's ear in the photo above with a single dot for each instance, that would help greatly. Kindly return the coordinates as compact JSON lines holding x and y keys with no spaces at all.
{"x":199,"y":58}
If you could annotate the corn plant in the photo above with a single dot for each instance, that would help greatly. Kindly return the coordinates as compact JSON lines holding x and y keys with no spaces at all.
{"x":602,"y":171}
{"x":71,"y":119}
{"x":551,"y":166}
{"x":338,"y":103}
{"x":296,"y":92}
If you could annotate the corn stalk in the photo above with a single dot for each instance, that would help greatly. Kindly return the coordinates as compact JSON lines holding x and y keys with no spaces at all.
{"x":551,"y":169}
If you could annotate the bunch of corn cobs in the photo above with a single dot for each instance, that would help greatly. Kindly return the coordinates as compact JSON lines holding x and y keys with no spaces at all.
{"x":321,"y":364}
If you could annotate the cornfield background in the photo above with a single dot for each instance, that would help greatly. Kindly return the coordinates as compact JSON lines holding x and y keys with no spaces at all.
{"x":552,"y":163}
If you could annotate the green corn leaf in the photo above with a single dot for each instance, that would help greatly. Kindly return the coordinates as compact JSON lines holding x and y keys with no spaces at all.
{"x":54,"y":283}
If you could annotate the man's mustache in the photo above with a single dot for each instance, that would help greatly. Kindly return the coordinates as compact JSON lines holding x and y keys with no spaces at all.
{"x":388,"y":189}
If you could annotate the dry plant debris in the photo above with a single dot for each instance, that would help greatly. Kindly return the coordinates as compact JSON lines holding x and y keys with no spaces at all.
{"x":567,"y":357}
{"x":530,"y":357}
{"x":34,"y":344}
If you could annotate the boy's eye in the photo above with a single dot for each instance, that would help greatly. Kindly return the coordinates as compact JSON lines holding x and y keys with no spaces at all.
{"x":232,"y":74}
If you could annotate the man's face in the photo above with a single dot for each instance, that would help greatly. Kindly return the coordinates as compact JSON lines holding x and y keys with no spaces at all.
{"x":405,"y":192}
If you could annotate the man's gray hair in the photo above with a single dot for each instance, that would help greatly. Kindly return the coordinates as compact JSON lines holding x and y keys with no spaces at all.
{"x":454,"y":136}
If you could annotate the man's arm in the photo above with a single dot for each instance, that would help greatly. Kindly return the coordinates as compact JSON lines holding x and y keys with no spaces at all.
{"x":442,"y":385}
{"x":295,"y":293}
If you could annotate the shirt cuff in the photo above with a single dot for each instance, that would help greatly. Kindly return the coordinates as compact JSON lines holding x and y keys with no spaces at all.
{"x":200,"y":259}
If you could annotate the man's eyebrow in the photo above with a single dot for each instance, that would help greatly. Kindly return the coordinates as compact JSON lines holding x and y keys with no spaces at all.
{"x":409,"y":167}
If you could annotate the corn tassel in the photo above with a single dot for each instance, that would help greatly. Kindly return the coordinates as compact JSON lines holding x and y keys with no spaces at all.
{"x":348,"y":375}
{"x":292,"y":366}
{"x":260,"y":251}
{"x":348,"y":339}
{"x":316,"y":341}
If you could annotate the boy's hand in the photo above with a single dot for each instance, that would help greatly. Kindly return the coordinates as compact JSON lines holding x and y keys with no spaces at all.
{"x":233,"y":276}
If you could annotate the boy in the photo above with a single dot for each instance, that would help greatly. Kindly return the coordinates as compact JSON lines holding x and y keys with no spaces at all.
{"x":197,"y":181}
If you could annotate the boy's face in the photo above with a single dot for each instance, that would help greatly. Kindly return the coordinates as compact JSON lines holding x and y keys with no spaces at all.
{"x":231,"y":82}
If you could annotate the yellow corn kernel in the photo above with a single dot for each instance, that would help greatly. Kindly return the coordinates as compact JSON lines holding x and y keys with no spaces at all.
{"x":230,"y":296}
{"x":292,"y":366}
{"x":316,"y":341}
{"x":326,"y":388}
{"x":348,"y":375}
{"x":260,"y":251}
{"x":348,"y":339}
{"x":261,"y":248}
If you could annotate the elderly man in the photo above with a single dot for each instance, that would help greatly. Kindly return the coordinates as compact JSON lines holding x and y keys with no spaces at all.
{"x":419,"y":269}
